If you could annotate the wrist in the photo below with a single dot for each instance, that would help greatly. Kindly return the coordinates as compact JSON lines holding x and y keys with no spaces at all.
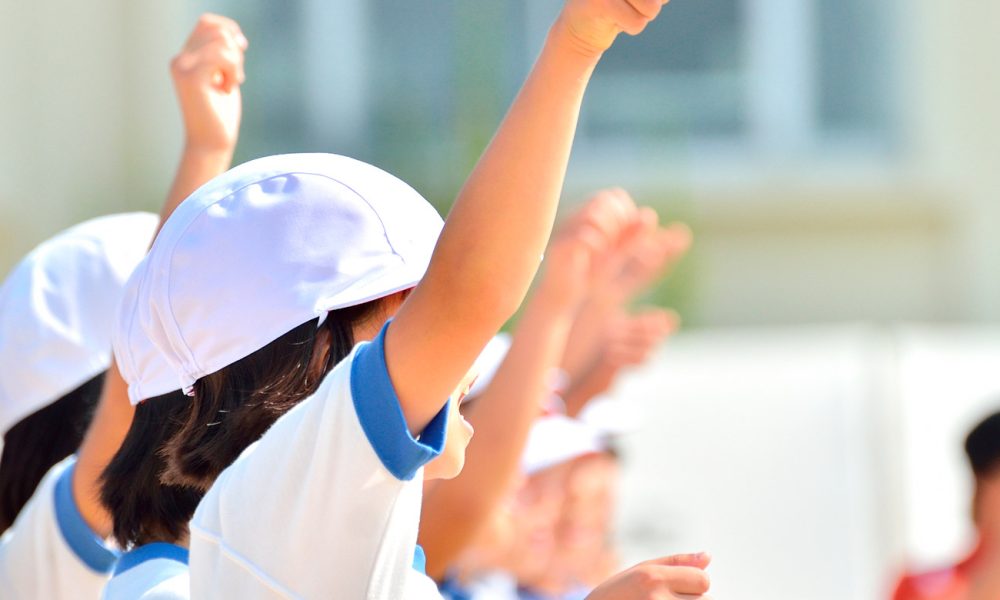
{"x":208,"y":150}
{"x":206,"y":158}
{"x":564,"y":38}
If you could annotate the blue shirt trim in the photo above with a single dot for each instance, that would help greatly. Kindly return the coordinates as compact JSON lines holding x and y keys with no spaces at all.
{"x":152,"y":551}
{"x":381,"y":418}
{"x":419,"y":560}
{"x":451,"y":589}
{"x":89,"y":547}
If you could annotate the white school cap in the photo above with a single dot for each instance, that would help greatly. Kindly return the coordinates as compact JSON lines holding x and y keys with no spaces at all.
{"x":57,"y":308}
{"x":556,"y":439}
{"x":264,"y":248}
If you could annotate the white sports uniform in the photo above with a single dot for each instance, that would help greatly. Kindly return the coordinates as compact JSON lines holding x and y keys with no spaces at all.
{"x":50,"y":552}
{"x":327,"y":503}
{"x":156,"y":571}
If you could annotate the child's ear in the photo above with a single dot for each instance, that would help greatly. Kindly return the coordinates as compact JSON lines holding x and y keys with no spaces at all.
{"x":320,"y":354}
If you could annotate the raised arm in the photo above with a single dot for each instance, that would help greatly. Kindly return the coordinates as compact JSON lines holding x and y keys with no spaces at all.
{"x":207,"y":74}
{"x":636,"y":267}
{"x":503,"y":414}
{"x":493,"y":239}
{"x":628,"y":340}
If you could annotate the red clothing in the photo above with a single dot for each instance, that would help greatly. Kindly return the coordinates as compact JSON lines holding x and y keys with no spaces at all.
{"x":944,"y":584}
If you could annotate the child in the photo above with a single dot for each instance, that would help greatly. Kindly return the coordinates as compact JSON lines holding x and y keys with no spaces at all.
{"x":57,"y":313}
{"x":326,"y":503}
{"x":511,"y":556}
{"x":56,"y":310}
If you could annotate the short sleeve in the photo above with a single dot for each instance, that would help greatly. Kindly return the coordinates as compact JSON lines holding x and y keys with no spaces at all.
{"x":90,"y":548}
{"x":381,"y":417}
{"x":49,"y":551}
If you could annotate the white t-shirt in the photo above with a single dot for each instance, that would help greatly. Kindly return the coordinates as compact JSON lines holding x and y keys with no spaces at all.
{"x":50,"y":552}
{"x":156,"y":571}
{"x":327,"y":503}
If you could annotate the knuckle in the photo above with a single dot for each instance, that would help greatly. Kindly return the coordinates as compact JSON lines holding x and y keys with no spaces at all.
{"x":646,"y":578}
{"x":700,"y":582}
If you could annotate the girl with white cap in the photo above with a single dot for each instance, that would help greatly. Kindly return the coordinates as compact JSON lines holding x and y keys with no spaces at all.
{"x":56,"y":315}
{"x":262,"y":292}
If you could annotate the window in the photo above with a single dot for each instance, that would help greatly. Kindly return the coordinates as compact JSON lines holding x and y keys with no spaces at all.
{"x":419,"y":87}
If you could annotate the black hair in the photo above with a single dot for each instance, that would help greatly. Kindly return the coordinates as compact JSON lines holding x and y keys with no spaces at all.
{"x":178,"y":445}
{"x":144,"y":509}
{"x":234,"y":406}
{"x":39,"y":441}
{"x":982,"y":446}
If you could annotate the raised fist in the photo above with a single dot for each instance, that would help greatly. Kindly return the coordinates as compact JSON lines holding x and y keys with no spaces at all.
{"x":593,"y":25}
{"x":207,"y":76}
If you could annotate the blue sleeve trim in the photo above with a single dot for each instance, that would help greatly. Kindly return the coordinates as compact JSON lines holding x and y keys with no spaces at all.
{"x":419,"y":559}
{"x":151,"y":551}
{"x":89,"y":547}
{"x":381,"y":417}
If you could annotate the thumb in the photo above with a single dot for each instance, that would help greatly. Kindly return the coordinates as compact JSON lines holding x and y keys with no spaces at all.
{"x":698,"y":560}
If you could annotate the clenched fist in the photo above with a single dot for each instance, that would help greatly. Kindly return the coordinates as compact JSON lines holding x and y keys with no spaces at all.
{"x":593,"y":25}
{"x":207,"y":75}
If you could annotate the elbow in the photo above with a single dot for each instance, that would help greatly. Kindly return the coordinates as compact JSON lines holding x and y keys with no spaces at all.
{"x":496,"y":301}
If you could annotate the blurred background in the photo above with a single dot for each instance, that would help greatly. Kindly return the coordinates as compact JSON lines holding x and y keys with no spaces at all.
{"x":837,"y":160}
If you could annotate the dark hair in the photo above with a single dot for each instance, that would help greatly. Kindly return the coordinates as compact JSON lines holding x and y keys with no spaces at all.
{"x":982,"y":446}
{"x":144,"y":509}
{"x":233,"y":407}
{"x":39,"y":441}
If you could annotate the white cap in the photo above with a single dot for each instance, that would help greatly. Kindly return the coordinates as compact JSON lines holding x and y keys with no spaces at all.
{"x":489,"y":362}
{"x":265,"y":248}
{"x":57,"y":308}
{"x":557,"y":439}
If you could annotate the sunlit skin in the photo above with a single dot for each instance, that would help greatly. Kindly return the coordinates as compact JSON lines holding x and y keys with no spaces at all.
{"x":451,"y":460}
{"x":584,"y":529}
{"x":537,"y":508}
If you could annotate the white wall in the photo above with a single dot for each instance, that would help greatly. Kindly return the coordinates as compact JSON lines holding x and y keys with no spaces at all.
{"x":813,"y":462}
{"x":87,"y":118}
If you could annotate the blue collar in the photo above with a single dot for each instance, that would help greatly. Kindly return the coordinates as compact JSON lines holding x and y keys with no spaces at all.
{"x":419,"y":559}
{"x":153,"y":551}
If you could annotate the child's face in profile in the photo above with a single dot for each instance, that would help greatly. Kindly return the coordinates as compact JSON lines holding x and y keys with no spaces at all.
{"x":449,"y":464}
{"x":586,"y":520}
{"x":537,"y":507}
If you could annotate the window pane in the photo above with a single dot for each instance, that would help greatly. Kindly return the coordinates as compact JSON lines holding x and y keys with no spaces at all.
{"x":854,"y":47}
{"x":682,"y":76}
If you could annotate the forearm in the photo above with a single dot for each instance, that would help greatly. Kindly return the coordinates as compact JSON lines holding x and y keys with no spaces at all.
{"x":588,"y":333}
{"x":490,"y":247}
{"x":197,"y":166}
{"x":111,"y":422}
{"x":590,"y":384}
{"x":454,"y":510}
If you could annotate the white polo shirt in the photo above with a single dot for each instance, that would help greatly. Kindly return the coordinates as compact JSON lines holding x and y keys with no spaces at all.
{"x":50,"y":552}
{"x":327,"y":503}
{"x":156,"y":571}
